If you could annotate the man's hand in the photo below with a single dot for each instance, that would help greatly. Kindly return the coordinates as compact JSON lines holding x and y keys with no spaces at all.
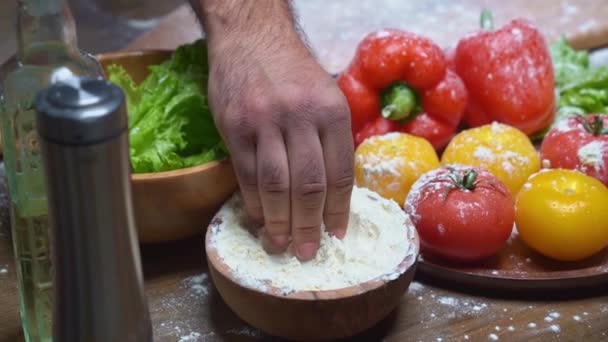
{"x":284,"y":120}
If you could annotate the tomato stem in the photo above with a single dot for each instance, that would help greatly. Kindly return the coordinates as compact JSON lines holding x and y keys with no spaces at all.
{"x":596,"y":127}
{"x":399,"y":102}
{"x":486,"y":21}
{"x":468,"y":179}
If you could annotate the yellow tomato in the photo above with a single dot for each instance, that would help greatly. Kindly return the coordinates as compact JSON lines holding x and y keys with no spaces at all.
{"x":503,"y":150}
{"x":389,"y":164}
{"x":563,"y":214}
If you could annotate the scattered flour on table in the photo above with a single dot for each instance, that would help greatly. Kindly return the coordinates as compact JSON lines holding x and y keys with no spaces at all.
{"x":532,"y":325}
{"x":198,"y":285}
{"x":448,"y":301}
{"x":552,"y":316}
{"x":415,"y":288}
{"x":375,"y":224}
{"x":576,"y":318}
{"x":193,"y":336}
{"x":493,"y":337}
{"x":460,"y":306}
{"x":183,"y":306}
{"x":555,"y":328}
{"x":245,"y":331}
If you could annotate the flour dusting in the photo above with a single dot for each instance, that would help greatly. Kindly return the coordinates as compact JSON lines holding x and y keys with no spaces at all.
{"x":375,"y":224}
{"x":198,"y":285}
{"x":592,"y":154}
{"x":245,"y":331}
{"x":193,"y":336}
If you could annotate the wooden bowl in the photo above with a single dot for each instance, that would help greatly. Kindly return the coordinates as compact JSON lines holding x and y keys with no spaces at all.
{"x":172,"y":205}
{"x":313,"y":315}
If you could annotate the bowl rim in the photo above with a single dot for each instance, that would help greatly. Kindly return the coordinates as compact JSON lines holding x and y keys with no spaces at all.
{"x":407,"y":264}
{"x":186,"y":171}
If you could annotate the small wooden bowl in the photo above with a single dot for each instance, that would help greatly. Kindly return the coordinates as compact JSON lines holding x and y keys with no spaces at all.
{"x":172,"y":205}
{"x":312,"y":315}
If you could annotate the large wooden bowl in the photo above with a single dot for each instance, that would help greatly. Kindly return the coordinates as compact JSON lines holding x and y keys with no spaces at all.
{"x":313,"y":315}
{"x":172,"y":205}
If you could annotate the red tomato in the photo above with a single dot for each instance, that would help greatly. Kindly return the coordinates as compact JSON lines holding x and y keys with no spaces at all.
{"x":461,"y":213}
{"x":579,"y":143}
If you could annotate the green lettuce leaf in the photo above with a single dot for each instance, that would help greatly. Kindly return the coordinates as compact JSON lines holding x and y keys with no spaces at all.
{"x":567,"y":62}
{"x":581,"y":89}
{"x":170,"y":123}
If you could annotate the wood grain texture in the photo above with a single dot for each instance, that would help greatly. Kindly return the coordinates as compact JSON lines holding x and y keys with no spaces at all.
{"x":334,"y":28}
{"x":185,"y":305}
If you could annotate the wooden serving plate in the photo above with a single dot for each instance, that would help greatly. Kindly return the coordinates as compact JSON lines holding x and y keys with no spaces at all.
{"x":517,"y":268}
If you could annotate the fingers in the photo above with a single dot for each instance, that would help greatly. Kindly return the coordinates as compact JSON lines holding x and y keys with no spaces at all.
{"x":338,"y":152}
{"x":273,"y":185}
{"x":240,"y":139}
{"x":308,"y":186}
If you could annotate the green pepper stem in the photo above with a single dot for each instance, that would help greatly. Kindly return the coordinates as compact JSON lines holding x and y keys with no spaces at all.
{"x":486,"y":21}
{"x":399,"y":102}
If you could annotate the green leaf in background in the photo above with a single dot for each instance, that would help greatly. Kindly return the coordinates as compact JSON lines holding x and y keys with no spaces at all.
{"x":581,"y":89}
{"x":170,"y":123}
{"x":567,"y":62}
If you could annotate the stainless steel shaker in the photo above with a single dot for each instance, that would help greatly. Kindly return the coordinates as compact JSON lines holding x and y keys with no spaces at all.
{"x":99,"y":293}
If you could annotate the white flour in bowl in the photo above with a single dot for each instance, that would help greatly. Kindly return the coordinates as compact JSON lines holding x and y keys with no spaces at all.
{"x":376,"y":242}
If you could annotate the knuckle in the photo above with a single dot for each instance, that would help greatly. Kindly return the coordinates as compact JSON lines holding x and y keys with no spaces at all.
{"x":336,"y":214}
{"x":238,"y":126}
{"x":311,"y":186}
{"x":338,"y":118}
{"x":247,"y":179}
{"x":308,"y":232}
{"x":256,"y":104}
{"x":302,"y":106}
{"x":311,"y":194}
{"x":248,"y":186}
{"x":273,"y":178}
{"x":273,"y":222}
{"x":343,"y":185}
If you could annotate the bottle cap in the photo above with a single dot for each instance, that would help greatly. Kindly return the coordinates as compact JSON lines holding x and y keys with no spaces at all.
{"x":81,"y":111}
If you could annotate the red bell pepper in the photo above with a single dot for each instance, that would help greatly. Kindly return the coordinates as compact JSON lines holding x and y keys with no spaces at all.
{"x":399,"y":81}
{"x":508,"y":74}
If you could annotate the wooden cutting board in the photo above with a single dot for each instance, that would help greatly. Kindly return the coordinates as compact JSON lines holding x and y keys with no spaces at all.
{"x":335,"y":27}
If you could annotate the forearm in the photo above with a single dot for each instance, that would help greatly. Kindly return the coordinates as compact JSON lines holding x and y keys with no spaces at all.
{"x":257,"y":20}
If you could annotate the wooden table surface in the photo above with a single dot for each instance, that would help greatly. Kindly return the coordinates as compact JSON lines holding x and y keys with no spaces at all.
{"x":183,"y":303}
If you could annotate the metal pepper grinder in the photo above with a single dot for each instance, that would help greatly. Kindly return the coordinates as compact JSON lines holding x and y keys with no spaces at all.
{"x":99,"y":294}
